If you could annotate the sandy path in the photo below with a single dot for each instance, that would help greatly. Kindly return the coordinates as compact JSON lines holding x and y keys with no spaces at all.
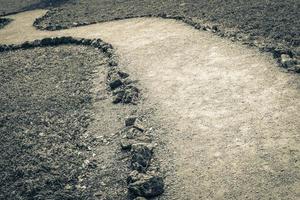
{"x":233,"y":117}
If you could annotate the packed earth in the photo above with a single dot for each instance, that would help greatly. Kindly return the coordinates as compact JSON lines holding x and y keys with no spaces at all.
{"x":150,"y":99}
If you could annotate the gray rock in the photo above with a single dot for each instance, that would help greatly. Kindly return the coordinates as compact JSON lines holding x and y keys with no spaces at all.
{"x":117,"y":99}
{"x":141,"y":157}
{"x":139,"y":198}
{"x":143,"y":185}
{"x":115,"y":83}
{"x":123,"y":74}
{"x":287,"y":61}
{"x":46,"y":41}
{"x":129,"y":121}
{"x":135,"y":122}
{"x":126,"y":144}
{"x":112,"y":63}
{"x":123,"y":95}
{"x":132,"y":133}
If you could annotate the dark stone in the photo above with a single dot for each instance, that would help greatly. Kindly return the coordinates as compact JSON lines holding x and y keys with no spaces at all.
{"x":86,"y":41}
{"x":105,"y":47}
{"x":54,"y":41}
{"x":46,"y":42}
{"x":2,"y":48}
{"x":66,"y":40}
{"x":118,"y":96}
{"x":115,"y":83}
{"x":36,"y":43}
{"x":139,"y":198}
{"x":126,"y":144}
{"x":141,"y":156}
{"x":129,"y":121}
{"x":117,"y":99}
{"x":136,"y":123}
{"x":132,"y":133}
{"x":112,"y":63}
{"x":96,"y":43}
{"x":130,"y":95}
{"x":128,"y":81}
{"x":26,"y":45}
{"x":143,"y":185}
{"x":123,"y":74}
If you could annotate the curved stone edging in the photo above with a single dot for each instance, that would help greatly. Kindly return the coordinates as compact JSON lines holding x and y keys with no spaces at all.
{"x":119,"y":84}
{"x":285,"y":58}
{"x":140,"y":184}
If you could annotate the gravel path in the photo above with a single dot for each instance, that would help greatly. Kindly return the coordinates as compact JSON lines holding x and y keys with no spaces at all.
{"x":232,"y":116}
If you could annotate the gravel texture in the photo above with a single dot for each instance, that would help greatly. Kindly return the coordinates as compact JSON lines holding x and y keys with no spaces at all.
{"x":267,"y":24}
{"x":44,"y":104}
{"x":14,"y":6}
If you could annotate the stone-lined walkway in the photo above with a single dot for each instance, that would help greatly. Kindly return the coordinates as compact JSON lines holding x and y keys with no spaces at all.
{"x":232,"y":115}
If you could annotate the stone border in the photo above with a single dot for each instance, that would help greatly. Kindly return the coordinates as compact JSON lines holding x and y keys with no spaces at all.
{"x":122,"y":88}
{"x":138,"y":142}
{"x":286,"y":58}
{"x":4,"y":22}
{"x":141,"y":184}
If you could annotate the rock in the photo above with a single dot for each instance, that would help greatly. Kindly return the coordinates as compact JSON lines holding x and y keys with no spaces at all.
{"x":139,"y":198}
{"x":105,"y":47}
{"x":86,"y":41}
{"x":129,"y":121}
{"x":118,"y":95}
{"x":138,"y":125}
{"x":135,"y":122}
{"x":67,"y":40}
{"x":46,"y":42}
{"x":117,"y":99}
{"x":123,"y":95}
{"x":123,"y":74}
{"x":132,"y":133}
{"x":141,"y":156}
{"x":112,"y":63}
{"x":130,"y":95}
{"x":115,"y":83}
{"x":128,"y":81}
{"x":26,"y":45}
{"x":126,"y":144}
{"x":145,"y":185}
{"x":287,"y":61}
{"x":295,"y":68}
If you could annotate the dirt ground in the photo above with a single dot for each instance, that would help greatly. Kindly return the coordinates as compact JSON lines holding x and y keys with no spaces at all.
{"x":228,"y":118}
{"x":225,"y":118}
{"x":271,"y":23}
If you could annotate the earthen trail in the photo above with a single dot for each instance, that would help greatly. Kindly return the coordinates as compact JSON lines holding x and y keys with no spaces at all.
{"x":233,"y":117}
